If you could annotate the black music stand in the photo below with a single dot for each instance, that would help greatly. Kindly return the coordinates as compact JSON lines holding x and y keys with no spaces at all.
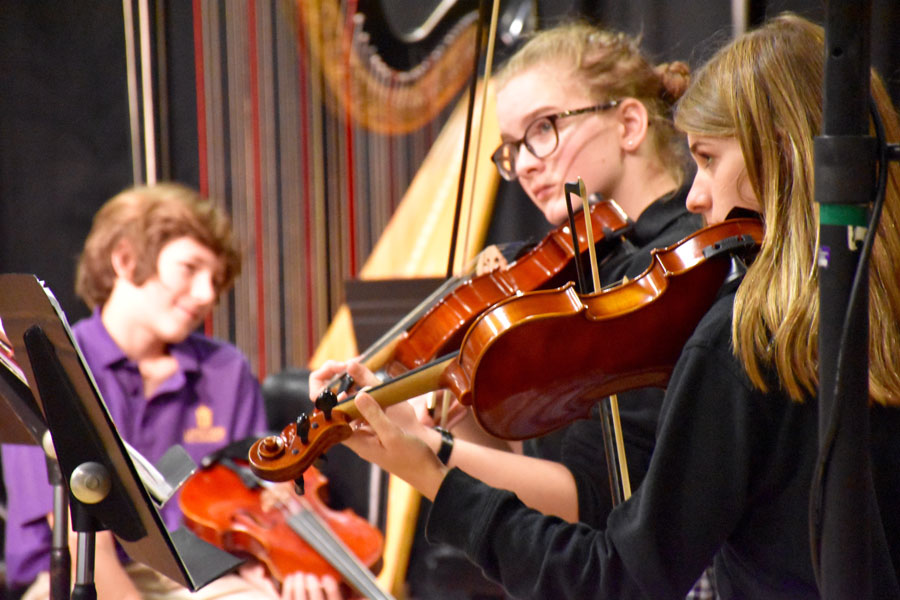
{"x":21,"y":422}
{"x":106,"y":491}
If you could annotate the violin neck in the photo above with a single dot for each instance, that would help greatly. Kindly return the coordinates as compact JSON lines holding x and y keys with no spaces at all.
{"x":381,"y":351}
{"x":422,"y":380}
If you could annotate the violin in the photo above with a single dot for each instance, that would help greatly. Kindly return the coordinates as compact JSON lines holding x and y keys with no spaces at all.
{"x":439,"y":323}
{"x":538,"y":361}
{"x":223,"y":505}
{"x":548,"y":264}
{"x":592,"y":345}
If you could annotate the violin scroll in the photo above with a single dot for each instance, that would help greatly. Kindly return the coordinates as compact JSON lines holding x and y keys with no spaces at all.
{"x":288,"y":455}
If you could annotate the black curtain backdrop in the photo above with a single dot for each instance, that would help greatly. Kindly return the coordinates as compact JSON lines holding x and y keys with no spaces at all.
{"x":64,"y":131}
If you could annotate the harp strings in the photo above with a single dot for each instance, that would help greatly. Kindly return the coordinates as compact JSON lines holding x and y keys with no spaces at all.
{"x":290,"y":151}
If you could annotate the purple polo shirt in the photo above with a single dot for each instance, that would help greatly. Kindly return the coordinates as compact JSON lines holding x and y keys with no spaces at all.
{"x":211,"y":400}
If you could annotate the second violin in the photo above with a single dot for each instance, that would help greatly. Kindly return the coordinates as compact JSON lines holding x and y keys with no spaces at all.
{"x":535,"y":362}
{"x":223,"y":504}
{"x":548,"y":264}
{"x":439,"y":323}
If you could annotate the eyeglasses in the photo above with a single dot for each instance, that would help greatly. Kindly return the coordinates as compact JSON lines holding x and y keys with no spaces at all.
{"x":541,"y":138}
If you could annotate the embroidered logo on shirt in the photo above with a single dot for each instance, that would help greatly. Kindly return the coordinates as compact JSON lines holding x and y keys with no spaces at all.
{"x":205,"y":432}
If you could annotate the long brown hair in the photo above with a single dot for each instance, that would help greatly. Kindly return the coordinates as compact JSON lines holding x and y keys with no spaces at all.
{"x":611,"y":66}
{"x":765,"y":89}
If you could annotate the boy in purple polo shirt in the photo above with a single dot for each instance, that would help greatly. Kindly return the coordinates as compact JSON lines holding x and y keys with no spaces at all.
{"x":154,"y":264}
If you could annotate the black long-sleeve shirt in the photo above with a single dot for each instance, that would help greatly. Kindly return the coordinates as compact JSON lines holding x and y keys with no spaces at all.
{"x":729,"y":480}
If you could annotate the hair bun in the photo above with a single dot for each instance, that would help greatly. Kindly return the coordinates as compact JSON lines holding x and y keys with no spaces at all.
{"x":675,"y":77}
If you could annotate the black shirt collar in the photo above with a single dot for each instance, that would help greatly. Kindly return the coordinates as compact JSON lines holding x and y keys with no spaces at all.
{"x":658,"y":216}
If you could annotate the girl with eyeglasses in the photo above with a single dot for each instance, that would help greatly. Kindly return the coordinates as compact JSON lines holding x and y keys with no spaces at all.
{"x":580,"y":101}
{"x":575,"y":101}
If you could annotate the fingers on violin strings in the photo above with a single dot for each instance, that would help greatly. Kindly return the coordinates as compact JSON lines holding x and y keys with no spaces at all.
{"x":331,"y":588}
{"x":328,"y":370}
{"x":308,"y":586}
{"x":334,"y":366}
{"x":293,"y":587}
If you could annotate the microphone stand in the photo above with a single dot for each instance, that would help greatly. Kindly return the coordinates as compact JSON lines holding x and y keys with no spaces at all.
{"x":845,"y":525}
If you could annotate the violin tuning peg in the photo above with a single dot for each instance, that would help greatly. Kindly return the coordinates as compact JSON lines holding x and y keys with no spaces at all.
{"x":303,"y":428}
{"x":325,"y":402}
{"x":299,"y":486}
{"x":346,"y":383}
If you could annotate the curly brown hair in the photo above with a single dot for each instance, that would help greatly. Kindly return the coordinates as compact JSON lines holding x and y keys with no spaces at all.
{"x":148,"y":217}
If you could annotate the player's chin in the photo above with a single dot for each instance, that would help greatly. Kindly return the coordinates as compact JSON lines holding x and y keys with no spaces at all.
{"x":556,"y":212}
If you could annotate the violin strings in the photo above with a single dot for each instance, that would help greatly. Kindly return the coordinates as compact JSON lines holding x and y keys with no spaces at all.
{"x":305,"y":522}
{"x":311,"y":528}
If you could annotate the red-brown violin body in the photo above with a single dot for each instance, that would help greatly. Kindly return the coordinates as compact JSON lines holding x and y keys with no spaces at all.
{"x":223,"y":511}
{"x":535,"y":362}
{"x":548,"y":264}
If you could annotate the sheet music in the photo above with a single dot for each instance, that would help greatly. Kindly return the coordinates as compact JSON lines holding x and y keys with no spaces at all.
{"x":6,"y":359}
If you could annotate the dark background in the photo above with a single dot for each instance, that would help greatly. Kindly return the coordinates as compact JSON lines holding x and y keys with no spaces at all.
{"x":64,"y":140}
{"x":64,"y":137}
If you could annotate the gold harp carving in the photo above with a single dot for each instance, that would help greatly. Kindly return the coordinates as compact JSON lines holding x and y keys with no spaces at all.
{"x":377,"y":96}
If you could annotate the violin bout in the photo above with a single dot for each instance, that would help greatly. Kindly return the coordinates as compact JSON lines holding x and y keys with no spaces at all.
{"x":535,"y":362}
{"x":221,"y":509}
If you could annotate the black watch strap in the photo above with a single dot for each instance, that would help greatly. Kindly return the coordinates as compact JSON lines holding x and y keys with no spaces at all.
{"x":446,"y":445}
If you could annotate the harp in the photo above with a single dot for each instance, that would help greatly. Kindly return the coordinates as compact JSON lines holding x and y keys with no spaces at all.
{"x":329,"y":131}
{"x":427,"y":205}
